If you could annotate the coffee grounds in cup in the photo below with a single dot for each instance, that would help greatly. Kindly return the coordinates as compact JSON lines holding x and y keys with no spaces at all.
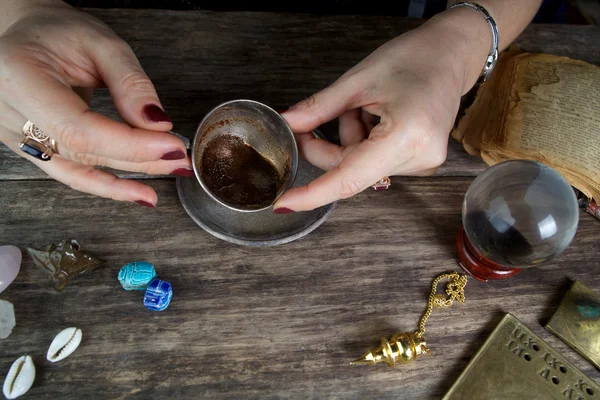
{"x":237,"y":174}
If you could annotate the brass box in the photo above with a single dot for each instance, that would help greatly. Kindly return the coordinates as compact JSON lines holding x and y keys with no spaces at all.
{"x":577,"y":321}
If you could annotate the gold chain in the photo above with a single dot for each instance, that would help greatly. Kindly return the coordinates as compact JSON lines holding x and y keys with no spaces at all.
{"x":455,"y":289}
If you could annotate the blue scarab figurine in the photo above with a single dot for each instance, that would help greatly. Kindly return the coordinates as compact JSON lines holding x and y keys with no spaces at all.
{"x":136,"y":275}
{"x":158,"y":295}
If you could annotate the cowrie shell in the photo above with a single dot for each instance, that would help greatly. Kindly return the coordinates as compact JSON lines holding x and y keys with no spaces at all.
{"x":65,"y":343}
{"x":20,"y":378}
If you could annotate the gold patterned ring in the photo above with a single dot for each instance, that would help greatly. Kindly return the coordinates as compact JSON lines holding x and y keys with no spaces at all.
{"x":383,"y":184}
{"x":36,"y":143}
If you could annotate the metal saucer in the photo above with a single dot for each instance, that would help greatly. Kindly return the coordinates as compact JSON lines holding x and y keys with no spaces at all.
{"x":261,"y":228}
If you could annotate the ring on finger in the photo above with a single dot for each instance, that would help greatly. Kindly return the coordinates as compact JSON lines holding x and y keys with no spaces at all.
{"x":36,"y":143}
{"x":383,"y":184}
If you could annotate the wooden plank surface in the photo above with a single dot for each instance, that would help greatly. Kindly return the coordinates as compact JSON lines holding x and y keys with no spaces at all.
{"x":280,"y":322}
{"x":198,"y":60}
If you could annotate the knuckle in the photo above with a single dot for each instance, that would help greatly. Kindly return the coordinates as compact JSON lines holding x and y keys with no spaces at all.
{"x":360,"y":90}
{"x":69,"y":136}
{"x":417,"y":144}
{"x":11,"y":60}
{"x":309,"y":102}
{"x":81,"y":182}
{"x":136,"y":81}
{"x":436,"y":158}
{"x":86,"y":159}
{"x":350,"y":186}
{"x":84,"y":183}
{"x":313,"y":105}
{"x":107,"y":38}
{"x":426,"y":151}
{"x":430,"y":172}
{"x":150,"y":168}
{"x":430,"y":158}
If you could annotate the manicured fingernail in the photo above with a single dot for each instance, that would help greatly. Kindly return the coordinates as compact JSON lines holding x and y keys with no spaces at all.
{"x":153,"y":113}
{"x":145,"y":204}
{"x":183,"y":172}
{"x":282,"y":110}
{"x":282,"y":210}
{"x":174,"y":155}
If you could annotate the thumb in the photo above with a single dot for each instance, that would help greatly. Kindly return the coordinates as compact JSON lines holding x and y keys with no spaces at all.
{"x":324,"y":106}
{"x":132,"y":91}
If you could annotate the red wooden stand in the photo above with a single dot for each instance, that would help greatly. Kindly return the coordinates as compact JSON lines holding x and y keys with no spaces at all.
{"x":476,"y":265}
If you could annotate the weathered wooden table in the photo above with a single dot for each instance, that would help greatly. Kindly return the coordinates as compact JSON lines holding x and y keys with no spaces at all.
{"x":279,"y":322}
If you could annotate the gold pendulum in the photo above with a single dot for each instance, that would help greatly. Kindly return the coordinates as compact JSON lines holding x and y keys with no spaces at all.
{"x":407,"y":346}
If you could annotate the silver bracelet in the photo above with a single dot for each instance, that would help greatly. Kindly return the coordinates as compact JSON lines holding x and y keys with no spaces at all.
{"x":492,"y":58}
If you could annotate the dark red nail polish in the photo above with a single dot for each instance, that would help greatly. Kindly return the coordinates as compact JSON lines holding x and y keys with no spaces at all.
{"x":183,"y":172}
{"x":174,"y":155}
{"x":282,"y":210}
{"x":153,"y":113}
{"x":145,"y":204}
{"x":282,"y":110}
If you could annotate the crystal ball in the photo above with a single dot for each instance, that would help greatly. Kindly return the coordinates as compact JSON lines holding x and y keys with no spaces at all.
{"x":520,"y":213}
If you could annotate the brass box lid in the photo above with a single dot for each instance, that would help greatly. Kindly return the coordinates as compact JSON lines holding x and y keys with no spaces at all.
{"x":577,"y":321}
{"x":514,"y":363}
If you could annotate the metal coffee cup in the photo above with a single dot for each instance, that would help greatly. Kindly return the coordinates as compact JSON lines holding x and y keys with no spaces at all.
{"x":259,"y":127}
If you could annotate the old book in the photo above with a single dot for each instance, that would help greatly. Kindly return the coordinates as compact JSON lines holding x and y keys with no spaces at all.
{"x":539,"y":107}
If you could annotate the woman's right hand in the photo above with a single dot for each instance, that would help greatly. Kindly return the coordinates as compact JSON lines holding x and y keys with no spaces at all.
{"x":51,"y":58}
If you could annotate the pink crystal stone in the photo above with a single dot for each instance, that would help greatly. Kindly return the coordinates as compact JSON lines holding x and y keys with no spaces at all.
{"x":10,"y":263}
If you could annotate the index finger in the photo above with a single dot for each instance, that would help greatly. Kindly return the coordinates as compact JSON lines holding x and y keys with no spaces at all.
{"x":362,"y":167}
{"x":61,"y":114}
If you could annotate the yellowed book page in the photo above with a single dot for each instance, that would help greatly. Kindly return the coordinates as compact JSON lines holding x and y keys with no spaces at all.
{"x":493,"y":135}
{"x":588,"y":187}
{"x":488,"y":104}
{"x":556,"y":116}
{"x":583,"y":187}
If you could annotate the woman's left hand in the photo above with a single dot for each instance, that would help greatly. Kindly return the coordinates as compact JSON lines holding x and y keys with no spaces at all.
{"x":414,"y":84}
